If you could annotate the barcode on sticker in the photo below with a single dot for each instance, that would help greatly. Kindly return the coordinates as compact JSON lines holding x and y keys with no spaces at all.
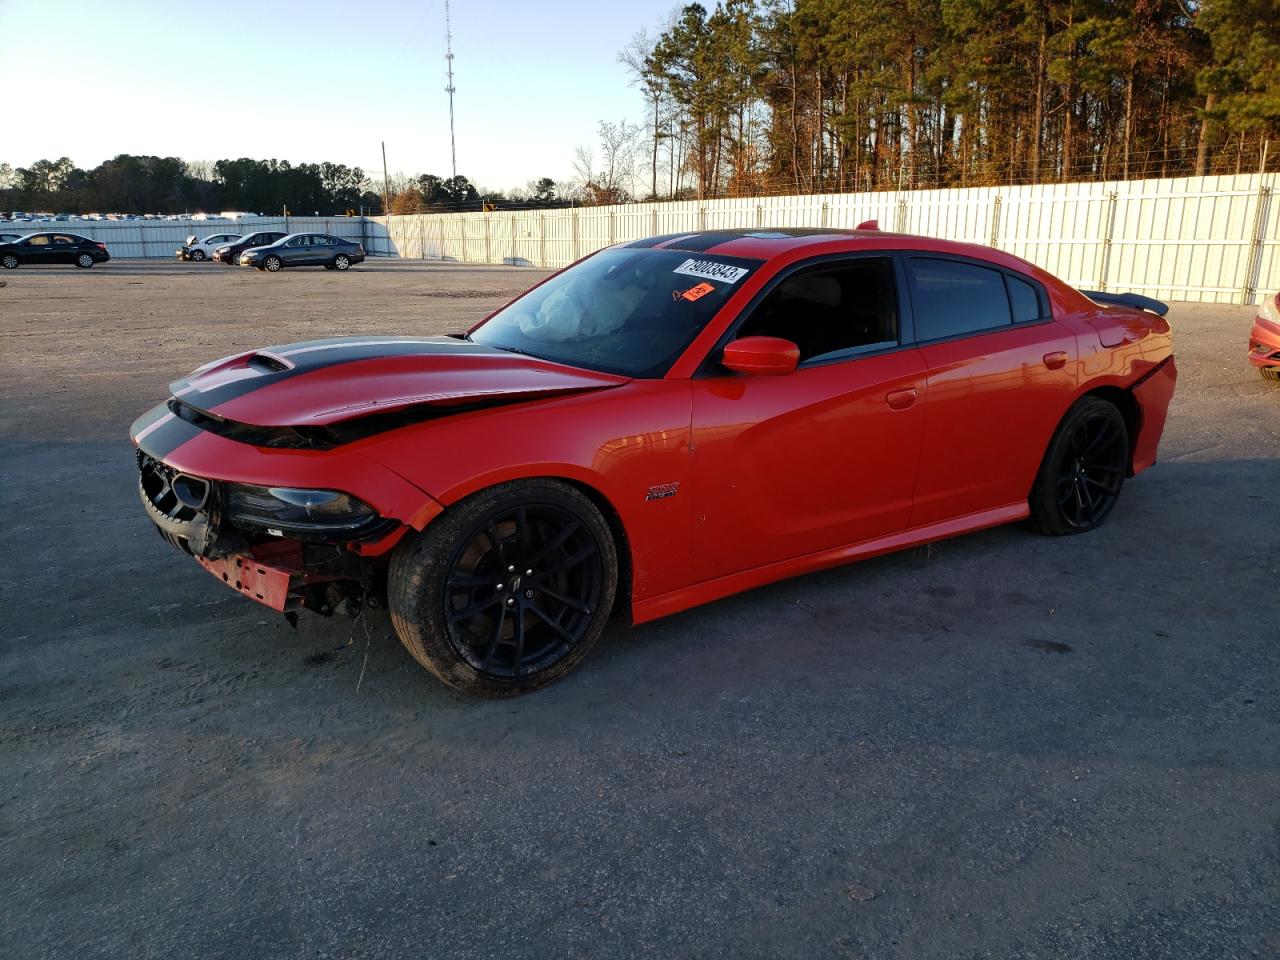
{"x":711,"y":270}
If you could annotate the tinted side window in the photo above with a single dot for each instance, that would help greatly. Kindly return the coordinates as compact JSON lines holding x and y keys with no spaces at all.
{"x":950,"y":298}
{"x":830,"y":311}
{"x":1025,"y":300}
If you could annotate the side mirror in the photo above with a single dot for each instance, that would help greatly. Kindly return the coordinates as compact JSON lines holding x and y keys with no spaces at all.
{"x":761,"y":356}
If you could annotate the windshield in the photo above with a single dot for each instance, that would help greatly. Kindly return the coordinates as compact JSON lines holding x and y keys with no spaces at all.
{"x":624,"y":311}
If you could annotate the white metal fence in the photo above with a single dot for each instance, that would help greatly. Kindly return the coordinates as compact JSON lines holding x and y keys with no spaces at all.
{"x":161,"y":238}
{"x":1212,"y":239}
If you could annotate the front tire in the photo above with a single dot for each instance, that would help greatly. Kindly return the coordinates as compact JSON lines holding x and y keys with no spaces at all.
{"x":508,"y":590}
{"x":1268,"y":373}
{"x":197,"y":255}
{"x":1083,"y":470}
{"x":9,"y":261}
{"x":84,"y":261}
{"x":272,"y":264}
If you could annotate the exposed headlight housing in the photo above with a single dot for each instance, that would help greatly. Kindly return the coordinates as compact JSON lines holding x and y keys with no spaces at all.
{"x":300,"y":512}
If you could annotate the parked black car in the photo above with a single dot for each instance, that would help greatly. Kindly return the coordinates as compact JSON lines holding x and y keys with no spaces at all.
{"x":37,"y":248}
{"x":230,"y":254}
{"x":304,"y":250}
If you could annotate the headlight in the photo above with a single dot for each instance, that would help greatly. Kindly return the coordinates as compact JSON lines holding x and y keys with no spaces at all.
{"x":291,"y":510}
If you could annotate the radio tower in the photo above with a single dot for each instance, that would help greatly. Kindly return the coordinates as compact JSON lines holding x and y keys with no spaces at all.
{"x":448,"y":63}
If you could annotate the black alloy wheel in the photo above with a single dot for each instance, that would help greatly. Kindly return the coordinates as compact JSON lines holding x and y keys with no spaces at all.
{"x":521,"y":590}
{"x":1084,"y":469}
{"x":508,"y":590}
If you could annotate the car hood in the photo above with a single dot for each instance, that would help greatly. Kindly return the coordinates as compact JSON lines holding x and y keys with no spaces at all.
{"x":322,"y":382}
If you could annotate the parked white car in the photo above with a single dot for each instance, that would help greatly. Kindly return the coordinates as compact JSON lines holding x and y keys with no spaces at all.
{"x":195,"y":249}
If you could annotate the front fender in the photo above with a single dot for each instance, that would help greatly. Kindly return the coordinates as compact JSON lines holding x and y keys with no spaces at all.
{"x":623,"y":443}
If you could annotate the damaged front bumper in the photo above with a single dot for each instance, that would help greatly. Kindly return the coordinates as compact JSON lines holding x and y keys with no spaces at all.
{"x":285,"y":573}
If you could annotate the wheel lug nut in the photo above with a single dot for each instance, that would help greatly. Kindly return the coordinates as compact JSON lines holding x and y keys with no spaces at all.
{"x":528,"y":573}
{"x":529,"y":594}
{"x":511,"y":569}
{"x":511,"y":601}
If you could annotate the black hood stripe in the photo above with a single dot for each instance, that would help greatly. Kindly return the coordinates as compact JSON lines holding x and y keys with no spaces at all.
{"x":313,"y":355}
{"x":168,"y":436}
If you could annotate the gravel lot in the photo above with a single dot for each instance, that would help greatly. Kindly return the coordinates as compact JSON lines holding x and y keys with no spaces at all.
{"x":1003,"y":746}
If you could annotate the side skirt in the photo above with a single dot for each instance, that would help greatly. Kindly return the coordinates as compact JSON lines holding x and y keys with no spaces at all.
{"x":700,"y":593}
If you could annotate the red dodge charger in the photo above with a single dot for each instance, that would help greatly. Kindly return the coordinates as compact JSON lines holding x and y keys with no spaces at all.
{"x":663,"y":423}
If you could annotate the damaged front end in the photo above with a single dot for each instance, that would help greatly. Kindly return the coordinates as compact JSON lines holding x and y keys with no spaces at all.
{"x":287,"y":548}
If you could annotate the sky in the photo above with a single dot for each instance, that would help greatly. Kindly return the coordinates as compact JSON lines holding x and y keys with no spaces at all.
{"x":316,"y":80}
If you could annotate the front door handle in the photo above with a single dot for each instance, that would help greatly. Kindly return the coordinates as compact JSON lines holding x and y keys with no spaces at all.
{"x":1055,"y":360}
{"x":901,"y":399}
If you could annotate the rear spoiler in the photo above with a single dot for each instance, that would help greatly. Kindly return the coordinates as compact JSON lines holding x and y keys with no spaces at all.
{"x":1135,"y":300}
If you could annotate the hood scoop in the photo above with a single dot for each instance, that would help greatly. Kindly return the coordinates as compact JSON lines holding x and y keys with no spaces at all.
{"x":264,"y":361}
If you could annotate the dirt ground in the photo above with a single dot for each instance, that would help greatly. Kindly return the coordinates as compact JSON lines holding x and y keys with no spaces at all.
{"x":1002,"y":746}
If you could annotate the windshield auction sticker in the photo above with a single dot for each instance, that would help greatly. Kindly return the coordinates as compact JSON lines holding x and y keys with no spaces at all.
{"x":711,"y":270}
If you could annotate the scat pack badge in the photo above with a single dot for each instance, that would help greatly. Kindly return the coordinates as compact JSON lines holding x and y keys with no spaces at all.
{"x":660,"y":491}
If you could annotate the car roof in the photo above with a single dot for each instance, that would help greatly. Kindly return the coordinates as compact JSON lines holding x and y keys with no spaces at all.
{"x":769,"y":243}
{"x":759,"y":243}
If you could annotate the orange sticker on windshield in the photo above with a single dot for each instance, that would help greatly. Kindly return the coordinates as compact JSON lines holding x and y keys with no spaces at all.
{"x":693,"y":293}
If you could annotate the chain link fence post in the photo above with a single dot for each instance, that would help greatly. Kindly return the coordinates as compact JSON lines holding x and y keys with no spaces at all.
{"x":1253,"y":259}
{"x":1108,"y":231}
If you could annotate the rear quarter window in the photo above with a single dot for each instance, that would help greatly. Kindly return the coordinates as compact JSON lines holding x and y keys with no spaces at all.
{"x":1025,"y":299}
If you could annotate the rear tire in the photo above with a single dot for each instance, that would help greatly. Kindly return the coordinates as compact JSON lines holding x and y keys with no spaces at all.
{"x":84,"y":261}
{"x":1083,"y":470}
{"x":508,"y":590}
{"x":341,"y":262}
{"x":1270,"y":373}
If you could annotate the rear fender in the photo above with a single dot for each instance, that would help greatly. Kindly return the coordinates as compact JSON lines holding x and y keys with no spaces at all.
{"x":1153,"y":394}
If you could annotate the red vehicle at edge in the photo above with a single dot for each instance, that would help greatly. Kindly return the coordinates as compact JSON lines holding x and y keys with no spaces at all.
{"x":661,"y":424}
{"x":1264,"y":338}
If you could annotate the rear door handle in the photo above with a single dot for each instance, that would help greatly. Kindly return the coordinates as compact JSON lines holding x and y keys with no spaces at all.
{"x":901,"y":399}
{"x":1055,"y":360}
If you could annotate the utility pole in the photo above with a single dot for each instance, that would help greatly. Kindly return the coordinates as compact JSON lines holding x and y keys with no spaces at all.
{"x":386,"y":183}
{"x":448,"y":63}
